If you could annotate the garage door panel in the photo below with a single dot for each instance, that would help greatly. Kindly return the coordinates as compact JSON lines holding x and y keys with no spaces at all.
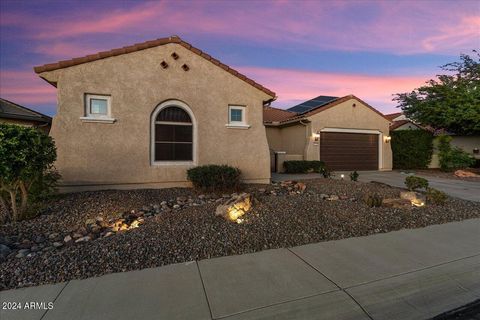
{"x":349,"y":151}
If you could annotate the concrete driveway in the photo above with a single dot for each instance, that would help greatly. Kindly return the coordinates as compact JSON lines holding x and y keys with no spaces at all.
{"x":406,"y":274}
{"x":466,"y":190}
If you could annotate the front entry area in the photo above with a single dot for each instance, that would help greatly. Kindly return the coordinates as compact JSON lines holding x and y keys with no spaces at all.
{"x":349,"y":151}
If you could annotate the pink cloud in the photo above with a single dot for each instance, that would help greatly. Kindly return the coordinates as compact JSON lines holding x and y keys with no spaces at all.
{"x":445,"y":27}
{"x":65,"y":50}
{"x":25,"y":87}
{"x":294,"y":86}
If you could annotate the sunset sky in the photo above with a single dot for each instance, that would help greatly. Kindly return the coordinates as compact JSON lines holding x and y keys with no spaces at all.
{"x":299,"y":49}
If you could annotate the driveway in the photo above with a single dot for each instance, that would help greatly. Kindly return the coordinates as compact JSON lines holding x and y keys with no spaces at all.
{"x":466,"y":190}
{"x":406,"y":274}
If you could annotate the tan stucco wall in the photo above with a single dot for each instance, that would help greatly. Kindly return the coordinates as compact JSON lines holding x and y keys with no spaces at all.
{"x":466,"y":143}
{"x":299,"y":139}
{"x":119,"y":153}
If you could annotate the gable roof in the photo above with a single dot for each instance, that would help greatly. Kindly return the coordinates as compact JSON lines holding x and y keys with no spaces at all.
{"x":392,"y":116}
{"x":271,"y":114}
{"x":11,"y":110}
{"x":147,"y":45}
{"x":323,"y":107}
{"x":312,"y":104}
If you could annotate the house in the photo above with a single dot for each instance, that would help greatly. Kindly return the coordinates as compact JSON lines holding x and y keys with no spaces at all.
{"x":13,"y":113}
{"x":470,"y":144}
{"x":140,"y":116}
{"x":346,"y":133}
{"x":400,"y":122}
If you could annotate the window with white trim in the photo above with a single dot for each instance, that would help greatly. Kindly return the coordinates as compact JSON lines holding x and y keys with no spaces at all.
{"x":237,"y":116}
{"x":98,"y":107}
{"x":173,"y":135}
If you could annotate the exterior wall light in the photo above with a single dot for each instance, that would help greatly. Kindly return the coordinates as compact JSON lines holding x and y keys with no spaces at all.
{"x":387,"y":139}
{"x":316,"y":137}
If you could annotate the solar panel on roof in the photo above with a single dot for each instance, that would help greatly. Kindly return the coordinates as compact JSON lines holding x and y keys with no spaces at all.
{"x":312,"y":104}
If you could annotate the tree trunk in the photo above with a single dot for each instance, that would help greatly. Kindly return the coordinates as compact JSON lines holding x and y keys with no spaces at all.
{"x":24,"y":196}
{"x":13,"y":199}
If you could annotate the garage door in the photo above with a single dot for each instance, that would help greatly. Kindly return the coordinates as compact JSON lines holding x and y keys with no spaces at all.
{"x":349,"y":151}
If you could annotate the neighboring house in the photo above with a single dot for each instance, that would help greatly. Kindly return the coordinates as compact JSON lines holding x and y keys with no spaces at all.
{"x":400,"y":122}
{"x":16,"y":114}
{"x":346,"y":133}
{"x":141,"y":115}
{"x":470,"y":144}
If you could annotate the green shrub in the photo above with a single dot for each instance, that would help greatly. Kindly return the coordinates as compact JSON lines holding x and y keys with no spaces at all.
{"x":214,"y":177}
{"x":436,"y":196}
{"x":354,"y":176}
{"x":304,"y":166}
{"x":373,"y":200}
{"x":452,"y":158}
{"x":414,"y":183}
{"x":411,"y":149}
{"x":27,"y":174}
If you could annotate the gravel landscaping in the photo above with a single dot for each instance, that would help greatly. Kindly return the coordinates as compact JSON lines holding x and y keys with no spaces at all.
{"x":89,"y":234}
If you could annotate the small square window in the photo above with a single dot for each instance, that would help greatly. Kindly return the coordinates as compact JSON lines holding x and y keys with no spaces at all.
{"x":97,"y":107}
{"x":236,"y":115}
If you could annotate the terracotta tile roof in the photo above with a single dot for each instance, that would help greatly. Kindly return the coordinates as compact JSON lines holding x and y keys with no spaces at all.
{"x":392,"y":116}
{"x":147,"y":45}
{"x":271,"y":114}
{"x":327,"y":106}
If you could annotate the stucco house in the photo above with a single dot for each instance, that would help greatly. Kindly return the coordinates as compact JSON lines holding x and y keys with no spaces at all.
{"x":400,"y":122}
{"x":346,"y":133}
{"x":469,"y":144}
{"x":14,"y":113}
{"x":140,"y":116}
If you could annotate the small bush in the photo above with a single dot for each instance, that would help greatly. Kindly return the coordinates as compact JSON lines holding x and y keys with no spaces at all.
{"x":373,"y":200}
{"x":452,"y":158}
{"x":435,"y":196}
{"x":304,"y":166}
{"x":27,"y":174}
{"x":354,"y":176}
{"x":411,"y":149}
{"x":214,"y":177}
{"x":414,"y":183}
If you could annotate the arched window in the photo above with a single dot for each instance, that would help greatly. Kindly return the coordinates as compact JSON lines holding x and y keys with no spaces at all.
{"x":173,"y":134}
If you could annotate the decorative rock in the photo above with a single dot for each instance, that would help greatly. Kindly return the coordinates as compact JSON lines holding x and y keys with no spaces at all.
{"x":76,"y":235}
{"x":176,"y":206}
{"x":465,"y":174}
{"x":22,"y":253}
{"x":57,"y":244}
{"x":39,"y":239}
{"x":83,"y":239}
{"x":333,"y":197}
{"x":235,"y":207}
{"x":324,"y":196}
{"x":90,"y":222}
{"x":52,"y":236}
{"x":4,"y":251}
{"x":415,"y":198}
{"x":67,"y":238}
{"x":397,"y":203}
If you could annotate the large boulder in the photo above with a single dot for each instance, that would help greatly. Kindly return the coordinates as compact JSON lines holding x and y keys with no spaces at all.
{"x":397,"y":203}
{"x":415,"y":198}
{"x":235,"y":207}
{"x":465,"y":174}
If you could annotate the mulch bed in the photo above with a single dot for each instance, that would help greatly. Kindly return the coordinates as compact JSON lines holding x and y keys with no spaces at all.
{"x":194,"y":232}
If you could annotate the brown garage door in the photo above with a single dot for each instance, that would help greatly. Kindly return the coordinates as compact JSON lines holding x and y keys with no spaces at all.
{"x":349,"y":151}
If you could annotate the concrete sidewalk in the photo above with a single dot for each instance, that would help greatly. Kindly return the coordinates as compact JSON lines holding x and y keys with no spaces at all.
{"x":407,"y":274}
{"x":467,"y":190}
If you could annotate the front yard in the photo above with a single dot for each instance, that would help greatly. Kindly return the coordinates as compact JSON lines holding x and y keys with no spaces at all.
{"x":178,"y":225}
